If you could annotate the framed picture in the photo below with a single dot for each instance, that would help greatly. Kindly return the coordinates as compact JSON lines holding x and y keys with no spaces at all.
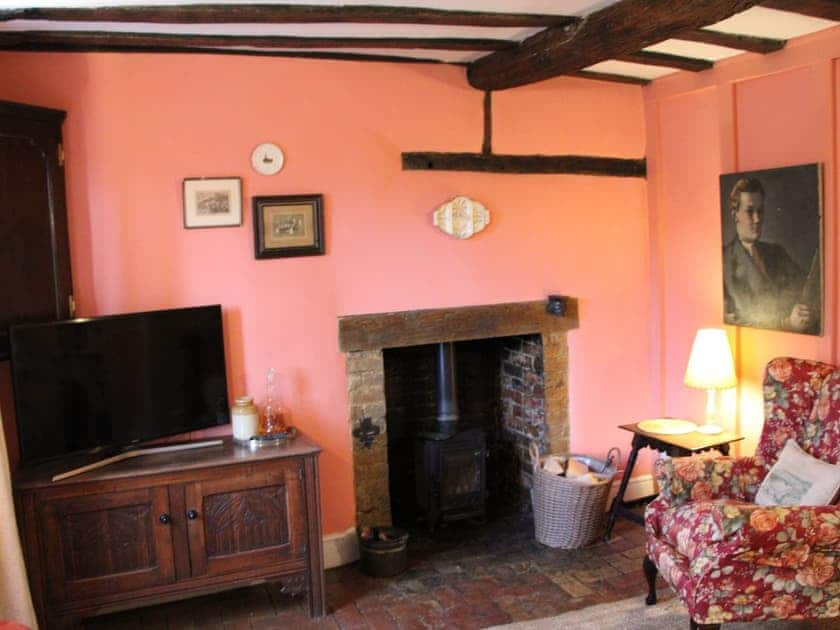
{"x":288,"y":225}
{"x":772,"y":248}
{"x":212,"y":202}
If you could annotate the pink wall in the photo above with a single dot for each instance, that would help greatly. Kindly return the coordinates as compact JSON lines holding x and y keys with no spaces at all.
{"x":138,"y":124}
{"x":751,"y":112}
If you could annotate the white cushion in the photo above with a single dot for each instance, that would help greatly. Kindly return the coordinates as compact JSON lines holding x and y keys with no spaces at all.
{"x":797,"y":478}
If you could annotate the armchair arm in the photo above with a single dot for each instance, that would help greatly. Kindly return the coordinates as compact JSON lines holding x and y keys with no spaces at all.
{"x":685,"y":479}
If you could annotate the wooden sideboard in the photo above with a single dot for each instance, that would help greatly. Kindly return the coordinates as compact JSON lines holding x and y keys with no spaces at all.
{"x":171,"y":525}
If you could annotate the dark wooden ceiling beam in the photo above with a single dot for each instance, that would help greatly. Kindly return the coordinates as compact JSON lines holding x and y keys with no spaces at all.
{"x":619,"y":29}
{"x":826,"y":9}
{"x":749,"y":43}
{"x":99,"y":40}
{"x":519,"y":164}
{"x":665,"y":60}
{"x":274,"y":14}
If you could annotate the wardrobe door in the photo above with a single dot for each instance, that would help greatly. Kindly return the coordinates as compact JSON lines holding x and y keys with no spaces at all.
{"x":34,"y":250}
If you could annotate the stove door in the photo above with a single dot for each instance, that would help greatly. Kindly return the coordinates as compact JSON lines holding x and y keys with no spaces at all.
{"x":462,"y":482}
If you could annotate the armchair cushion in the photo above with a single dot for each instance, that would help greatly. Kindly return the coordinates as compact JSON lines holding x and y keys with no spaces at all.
{"x":799,"y":479}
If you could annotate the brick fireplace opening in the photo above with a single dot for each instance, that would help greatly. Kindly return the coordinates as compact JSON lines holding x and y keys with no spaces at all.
{"x":512,"y":373}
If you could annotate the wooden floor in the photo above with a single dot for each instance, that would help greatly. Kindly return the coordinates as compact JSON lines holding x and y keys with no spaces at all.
{"x":467,"y":577}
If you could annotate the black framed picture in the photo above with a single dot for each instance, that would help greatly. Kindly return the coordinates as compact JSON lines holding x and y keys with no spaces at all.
{"x":288,"y":225}
{"x":772,"y":248}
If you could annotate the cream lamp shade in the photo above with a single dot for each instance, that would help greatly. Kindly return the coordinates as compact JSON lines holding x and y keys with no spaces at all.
{"x":710,"y":364}
{"x":710,"y":367}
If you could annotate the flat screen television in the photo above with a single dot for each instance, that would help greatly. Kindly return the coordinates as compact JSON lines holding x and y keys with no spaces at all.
{"x":103,"y":384}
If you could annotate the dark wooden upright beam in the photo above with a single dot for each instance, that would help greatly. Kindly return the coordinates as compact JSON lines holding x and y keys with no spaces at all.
{"x":276,"y":14}
{"x":101,"y":40}
{"x":619,"y":29}
{"x":668,"y":61}
{"x":749,"y":43}
{"x":826,"y":9}
{"x":487,"y":142}
{"x":534,"y":164}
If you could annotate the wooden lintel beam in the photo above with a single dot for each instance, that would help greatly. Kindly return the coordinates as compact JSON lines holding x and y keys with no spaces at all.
{"x":278,"y":14}
{"x":749,"y":43}
{"x":535,"y":164}
{"x":665,"y":60}
{"x":825,"y":9}
{"x":416,"y":328}
{"x":99,"y":40}
{"x":607,"y":76}
{"x":618,"y":29}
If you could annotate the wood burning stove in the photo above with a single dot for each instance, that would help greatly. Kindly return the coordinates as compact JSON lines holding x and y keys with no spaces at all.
{"x":450,"y":465}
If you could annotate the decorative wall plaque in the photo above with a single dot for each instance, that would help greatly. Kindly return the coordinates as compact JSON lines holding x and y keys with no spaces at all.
{"x":462,"y":217}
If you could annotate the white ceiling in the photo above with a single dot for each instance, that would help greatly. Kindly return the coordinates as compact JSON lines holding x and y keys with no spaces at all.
{"x":757,"y":21}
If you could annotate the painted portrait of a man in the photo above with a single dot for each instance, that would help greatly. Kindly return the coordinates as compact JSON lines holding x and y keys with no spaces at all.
{"x":772,"y":257}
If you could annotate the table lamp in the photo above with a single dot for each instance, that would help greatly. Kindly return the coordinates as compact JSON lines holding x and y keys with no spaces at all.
{"x":710,"y":367}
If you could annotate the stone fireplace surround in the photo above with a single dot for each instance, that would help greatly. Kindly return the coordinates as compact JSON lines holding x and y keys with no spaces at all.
{"x":362,"y":339}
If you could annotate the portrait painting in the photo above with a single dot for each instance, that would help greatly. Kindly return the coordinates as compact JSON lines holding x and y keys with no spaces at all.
{"x":288,"y":225}
{"x":212,"y":202}
{"x":772,"y":248}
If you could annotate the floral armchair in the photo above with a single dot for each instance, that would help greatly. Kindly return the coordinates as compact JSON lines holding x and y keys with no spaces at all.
{"x":729,"y":559}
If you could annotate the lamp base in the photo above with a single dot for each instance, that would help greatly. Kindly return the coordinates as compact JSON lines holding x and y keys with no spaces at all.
{"x":709,"y":429}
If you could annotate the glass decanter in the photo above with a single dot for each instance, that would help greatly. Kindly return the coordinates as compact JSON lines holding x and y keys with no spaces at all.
{"x":273,"y":419}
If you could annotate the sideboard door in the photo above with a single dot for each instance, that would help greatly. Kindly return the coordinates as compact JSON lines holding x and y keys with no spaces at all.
{"x":106,"y":544}
{"x":248,"y":521}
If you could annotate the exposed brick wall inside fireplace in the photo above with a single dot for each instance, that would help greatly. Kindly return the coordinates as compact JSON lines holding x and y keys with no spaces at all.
{"x":522,"y":397}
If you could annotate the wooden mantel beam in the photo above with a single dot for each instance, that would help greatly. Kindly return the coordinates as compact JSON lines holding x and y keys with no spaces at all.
{"x":284,"y":14}
{"x":617,"y":30}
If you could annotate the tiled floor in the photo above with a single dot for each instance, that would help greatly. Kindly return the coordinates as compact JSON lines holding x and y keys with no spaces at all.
{"x":469,"y":577}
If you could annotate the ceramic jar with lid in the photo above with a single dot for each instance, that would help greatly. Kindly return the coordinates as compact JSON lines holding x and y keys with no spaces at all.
{"x":244,"y":418}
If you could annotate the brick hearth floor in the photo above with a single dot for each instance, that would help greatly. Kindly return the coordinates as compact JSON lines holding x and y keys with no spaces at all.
{"x":469,"y":577}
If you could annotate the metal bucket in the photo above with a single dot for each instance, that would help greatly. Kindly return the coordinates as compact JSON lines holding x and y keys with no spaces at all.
{"x":384,"y":553}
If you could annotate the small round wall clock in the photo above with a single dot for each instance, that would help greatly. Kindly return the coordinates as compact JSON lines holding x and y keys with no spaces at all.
{"x":267,"y":159}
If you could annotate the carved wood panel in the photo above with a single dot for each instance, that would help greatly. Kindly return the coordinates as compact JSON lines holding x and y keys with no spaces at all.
{"x":106,"y":543}
{"x":251,"y":520}
{"x":235,"y":522}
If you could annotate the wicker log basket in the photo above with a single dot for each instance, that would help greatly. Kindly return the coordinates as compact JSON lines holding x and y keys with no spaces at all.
{"x":569,"y":513}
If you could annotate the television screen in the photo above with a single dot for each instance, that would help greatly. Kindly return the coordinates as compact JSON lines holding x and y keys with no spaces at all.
{"x":110,"y":382}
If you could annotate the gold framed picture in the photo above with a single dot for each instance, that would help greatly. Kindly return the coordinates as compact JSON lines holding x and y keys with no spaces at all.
{"x":212,"y":202}
{"x":288,"y":225}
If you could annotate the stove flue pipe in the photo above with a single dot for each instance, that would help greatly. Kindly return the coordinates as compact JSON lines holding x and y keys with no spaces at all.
{"x":447,"y":392}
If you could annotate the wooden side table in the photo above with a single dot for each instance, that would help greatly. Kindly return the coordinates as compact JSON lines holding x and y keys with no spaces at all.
{"x":675,"y":446}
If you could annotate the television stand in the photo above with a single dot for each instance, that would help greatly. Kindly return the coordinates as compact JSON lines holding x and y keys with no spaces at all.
{"x":171,"y":525}
{"x":171,"y":448}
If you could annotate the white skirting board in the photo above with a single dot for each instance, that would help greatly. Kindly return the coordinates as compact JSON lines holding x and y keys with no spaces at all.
{"x":637,"y":487}
{"x":341,"y":548}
